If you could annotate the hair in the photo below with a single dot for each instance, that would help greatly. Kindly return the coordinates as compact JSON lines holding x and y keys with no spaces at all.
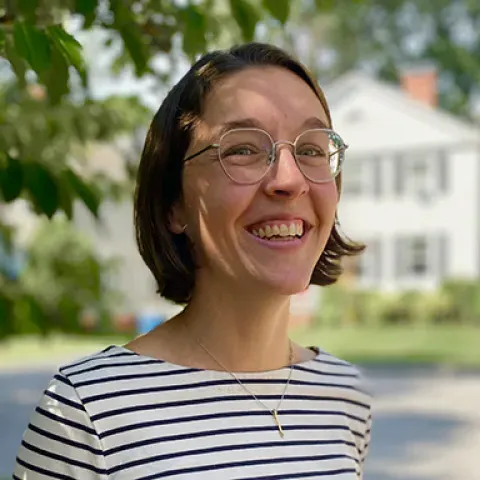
{"x":169,"y":256}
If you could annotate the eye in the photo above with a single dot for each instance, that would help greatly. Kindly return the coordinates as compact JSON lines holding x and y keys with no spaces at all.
{"x":241,"y":150}
{"x":310,"y":151}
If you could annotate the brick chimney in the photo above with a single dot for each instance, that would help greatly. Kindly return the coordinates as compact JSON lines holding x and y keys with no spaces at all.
{"x":420,"y":83}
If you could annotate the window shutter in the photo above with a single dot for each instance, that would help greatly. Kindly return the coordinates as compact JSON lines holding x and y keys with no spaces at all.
{"x":399,"y":252}
{"x":376,"y":172}
{"x":378,"y":265}
{"x":442,"y":256}
{"x":442,"y":171}
{"x":399,"y":169}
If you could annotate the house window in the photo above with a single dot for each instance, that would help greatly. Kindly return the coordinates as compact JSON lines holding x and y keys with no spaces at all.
{"x":417,"y":257}
{"x":422,"y":256}
{"x":362,"y":176}
{"x":421,"y":175}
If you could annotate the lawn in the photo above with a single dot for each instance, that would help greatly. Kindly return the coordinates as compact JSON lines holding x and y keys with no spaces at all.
{"x":449,"y":345}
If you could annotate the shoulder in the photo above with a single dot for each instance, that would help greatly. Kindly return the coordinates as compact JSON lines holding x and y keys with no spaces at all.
{"x":110,"y":361}
{"x":340,"y":372}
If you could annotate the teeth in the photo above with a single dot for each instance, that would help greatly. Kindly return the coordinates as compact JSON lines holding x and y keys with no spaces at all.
{"x":282,"y":230}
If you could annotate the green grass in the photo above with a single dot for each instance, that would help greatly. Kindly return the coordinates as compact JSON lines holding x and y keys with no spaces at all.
{"x":34,"y":351}
{"x":448,"y":345}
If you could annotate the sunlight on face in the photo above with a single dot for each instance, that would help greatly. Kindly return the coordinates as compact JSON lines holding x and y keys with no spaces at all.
{"x":220,"y":213}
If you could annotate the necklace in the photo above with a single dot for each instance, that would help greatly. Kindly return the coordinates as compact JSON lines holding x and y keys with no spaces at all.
{"x":275,"y":412}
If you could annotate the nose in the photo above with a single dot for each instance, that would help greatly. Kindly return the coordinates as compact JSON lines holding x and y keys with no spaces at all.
{"x":284,"y":178}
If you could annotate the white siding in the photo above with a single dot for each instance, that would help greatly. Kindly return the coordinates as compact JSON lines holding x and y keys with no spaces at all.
{"x":382,"y":132}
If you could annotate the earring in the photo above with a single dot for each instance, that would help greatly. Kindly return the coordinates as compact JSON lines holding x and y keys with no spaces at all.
{"x":184,"y":228}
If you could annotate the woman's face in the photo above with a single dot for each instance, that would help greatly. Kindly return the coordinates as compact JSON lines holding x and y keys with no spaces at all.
{"x":222,"y":215}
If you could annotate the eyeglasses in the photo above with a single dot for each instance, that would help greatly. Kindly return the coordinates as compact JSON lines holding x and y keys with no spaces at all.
{"x":247,"y":154}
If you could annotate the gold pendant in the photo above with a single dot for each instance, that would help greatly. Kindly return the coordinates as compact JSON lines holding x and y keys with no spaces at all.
{"x":277,"y":421}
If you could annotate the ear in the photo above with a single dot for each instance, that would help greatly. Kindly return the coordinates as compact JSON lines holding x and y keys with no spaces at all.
{"x":176,"y":220}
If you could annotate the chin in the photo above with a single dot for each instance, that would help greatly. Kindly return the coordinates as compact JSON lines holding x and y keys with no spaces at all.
{"x":285,"y":284}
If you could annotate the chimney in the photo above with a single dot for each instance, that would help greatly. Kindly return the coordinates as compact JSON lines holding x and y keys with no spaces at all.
{"x":420,"y":83}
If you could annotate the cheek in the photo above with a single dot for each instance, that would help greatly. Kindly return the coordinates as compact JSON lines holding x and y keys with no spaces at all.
{"x":213,"y":208}
{"x":325,"y":199}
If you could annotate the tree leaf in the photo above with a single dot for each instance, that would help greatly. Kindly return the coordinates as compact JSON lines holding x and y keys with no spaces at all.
{"x":42,"y":187}
{"x":17,"y":63}
{"x":56,"y":79}
{"x":86,"y":8}
{"x":28,"y":8}
{"x":88,"y":194}
{"x":279,"y":9}
{"x":2,"y":40}
{"x":11,"y":178}
{"x":32,"y":44}
{"x":67,"y":45}
{"x":246,"y":16}
{"x":136,"y":48}
{"x":194,"y":40}
{"x":66,"y":195}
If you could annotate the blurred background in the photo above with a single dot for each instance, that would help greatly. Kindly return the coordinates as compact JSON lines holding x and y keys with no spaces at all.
{"x":79,"y":82}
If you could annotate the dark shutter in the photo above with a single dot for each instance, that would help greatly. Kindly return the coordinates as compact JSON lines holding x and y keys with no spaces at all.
{"x":376,"y":171}
{"x":399,"y":169}
{"x":399,"y":257}
{"x":442,"y":255}
{"x":442,"y":171}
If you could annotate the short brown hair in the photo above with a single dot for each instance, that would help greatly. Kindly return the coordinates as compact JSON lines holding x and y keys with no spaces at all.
{"x":159,"y":180}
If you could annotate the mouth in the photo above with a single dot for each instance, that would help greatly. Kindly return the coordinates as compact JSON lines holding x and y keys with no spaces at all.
{"x":280,"y":230}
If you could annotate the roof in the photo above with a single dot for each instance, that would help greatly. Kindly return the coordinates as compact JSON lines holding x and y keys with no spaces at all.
{"x":356,"y":82}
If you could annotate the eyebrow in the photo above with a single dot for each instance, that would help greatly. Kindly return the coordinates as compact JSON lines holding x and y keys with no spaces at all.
{"x":250,"y":122}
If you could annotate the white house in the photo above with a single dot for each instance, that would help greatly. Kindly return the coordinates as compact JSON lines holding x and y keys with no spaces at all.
{"x":410,"y":183}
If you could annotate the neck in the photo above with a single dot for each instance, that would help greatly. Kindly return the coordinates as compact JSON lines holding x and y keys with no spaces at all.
{"x":244,"y":330}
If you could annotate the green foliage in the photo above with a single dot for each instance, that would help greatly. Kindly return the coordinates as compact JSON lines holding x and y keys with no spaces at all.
{"x":62,"y":279}
{"x":455,"y":302}
{"x":49,"y":118}
{"x":386,"y":37}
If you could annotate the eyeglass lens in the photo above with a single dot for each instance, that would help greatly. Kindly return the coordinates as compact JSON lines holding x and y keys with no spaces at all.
{"x":245,"y":154}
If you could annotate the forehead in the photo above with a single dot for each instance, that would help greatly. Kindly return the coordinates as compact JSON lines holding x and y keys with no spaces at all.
{"x":274,"y":97}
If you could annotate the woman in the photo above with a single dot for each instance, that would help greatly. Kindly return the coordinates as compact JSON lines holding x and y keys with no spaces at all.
{"x":235,"y":212}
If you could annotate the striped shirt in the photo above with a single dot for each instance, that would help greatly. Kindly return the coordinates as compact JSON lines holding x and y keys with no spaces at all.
{"x":119,"y":415}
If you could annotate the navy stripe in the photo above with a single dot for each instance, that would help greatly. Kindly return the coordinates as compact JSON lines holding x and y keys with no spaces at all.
{"x":206,"y":384}
{"x":226,"y":398}
{"x":246,"y":463}
{"x":63,"y":380}
{"x":48,"y":473}
{"x":241,"y":430}
{"x":216,"y":416}
{"x":321,"y":372}
{"x":133,"y":376}
{"x":65,"y":421}
{"x":287,"y":476}
{"x":281,"y":443}
{"x":64,"y":401}
{"x":98,"y":356}
{"x":61,"y":458}
{"x":337,"y":363}
{"x":65,"y":441}
{"x":113,"y":365}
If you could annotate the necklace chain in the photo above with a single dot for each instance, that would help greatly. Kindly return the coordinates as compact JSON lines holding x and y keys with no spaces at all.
{"x":273,"y":412}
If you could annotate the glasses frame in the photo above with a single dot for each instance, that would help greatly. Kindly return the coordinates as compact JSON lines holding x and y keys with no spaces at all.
{"x":272,"y":154}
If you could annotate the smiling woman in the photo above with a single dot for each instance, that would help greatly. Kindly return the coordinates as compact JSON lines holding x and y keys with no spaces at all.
{"x":235,"y":212}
